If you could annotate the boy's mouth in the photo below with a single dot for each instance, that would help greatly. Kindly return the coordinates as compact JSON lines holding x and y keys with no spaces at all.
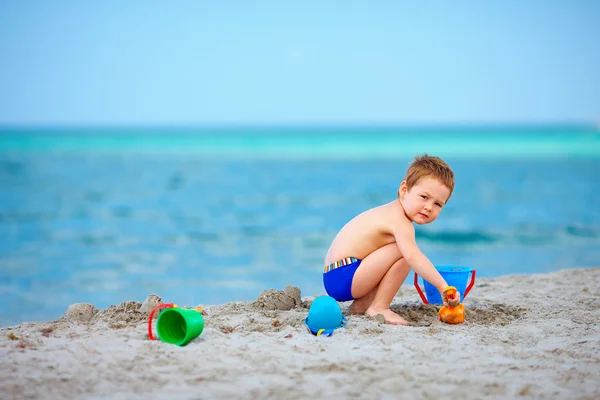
{"x":424,"y":215}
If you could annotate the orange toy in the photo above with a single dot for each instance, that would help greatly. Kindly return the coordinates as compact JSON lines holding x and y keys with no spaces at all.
{"x":454,"y":313}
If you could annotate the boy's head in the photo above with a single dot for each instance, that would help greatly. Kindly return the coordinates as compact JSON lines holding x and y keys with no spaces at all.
{"x":426,"y":188}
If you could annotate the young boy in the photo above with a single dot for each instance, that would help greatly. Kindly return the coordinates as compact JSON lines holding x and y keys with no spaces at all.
{"x":373,"y":253}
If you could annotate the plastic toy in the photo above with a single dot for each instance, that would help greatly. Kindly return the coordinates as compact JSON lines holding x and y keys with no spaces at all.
{"x":324,"y":316}
{"x":454,"y":276}
{"x":452,"y":314}
{"x":176,"y":325}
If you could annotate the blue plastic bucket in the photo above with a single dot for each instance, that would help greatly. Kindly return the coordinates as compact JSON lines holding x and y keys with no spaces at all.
{"x":454,"y":276}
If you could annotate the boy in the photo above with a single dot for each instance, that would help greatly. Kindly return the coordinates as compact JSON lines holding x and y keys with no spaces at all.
{"x":373,"y":253}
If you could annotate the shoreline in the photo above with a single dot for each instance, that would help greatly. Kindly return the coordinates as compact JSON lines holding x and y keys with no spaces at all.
{"x":525,"y":336}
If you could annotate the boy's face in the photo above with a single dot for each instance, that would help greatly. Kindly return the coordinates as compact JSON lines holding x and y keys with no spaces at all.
{"x":424,"y":201}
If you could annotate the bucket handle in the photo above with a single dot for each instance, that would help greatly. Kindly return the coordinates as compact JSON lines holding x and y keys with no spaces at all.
{"x":467,"y":290}
{"x":166,"y":305}
{"x":419,"y":289}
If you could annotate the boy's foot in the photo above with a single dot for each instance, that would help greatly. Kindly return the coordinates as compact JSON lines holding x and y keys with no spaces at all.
{"x":389,"y":316}
{"x":360,"y":306}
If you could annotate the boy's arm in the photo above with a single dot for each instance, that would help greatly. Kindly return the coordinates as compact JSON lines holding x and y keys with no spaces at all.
{"x":405,"y":238}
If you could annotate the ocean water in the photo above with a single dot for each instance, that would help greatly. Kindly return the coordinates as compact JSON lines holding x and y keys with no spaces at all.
{"x":206,"y":216}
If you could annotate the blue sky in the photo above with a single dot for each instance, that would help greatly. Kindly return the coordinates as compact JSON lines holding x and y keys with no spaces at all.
{"x":222,"y":62}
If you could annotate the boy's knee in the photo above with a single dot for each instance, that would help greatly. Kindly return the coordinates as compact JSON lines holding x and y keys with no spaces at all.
{"x":397,"y":265}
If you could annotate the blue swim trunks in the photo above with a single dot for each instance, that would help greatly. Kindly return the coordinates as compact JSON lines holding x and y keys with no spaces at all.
{"x":337,"y":278}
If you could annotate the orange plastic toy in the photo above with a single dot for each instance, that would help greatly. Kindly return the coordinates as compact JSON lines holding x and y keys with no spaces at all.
{"x":454,"y":313}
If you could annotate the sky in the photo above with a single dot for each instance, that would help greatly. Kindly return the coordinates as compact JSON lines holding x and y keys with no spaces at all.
{"x":275,"y":62}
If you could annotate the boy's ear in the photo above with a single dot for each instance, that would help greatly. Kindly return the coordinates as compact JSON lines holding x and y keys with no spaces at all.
{"x":402,"y":190}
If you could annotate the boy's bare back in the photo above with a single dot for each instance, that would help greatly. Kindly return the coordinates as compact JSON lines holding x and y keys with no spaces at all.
{"x":369,"y":231}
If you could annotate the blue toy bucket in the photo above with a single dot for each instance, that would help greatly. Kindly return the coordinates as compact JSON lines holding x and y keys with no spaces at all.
{"x":324,"y":316}
{"x":454,"y":276}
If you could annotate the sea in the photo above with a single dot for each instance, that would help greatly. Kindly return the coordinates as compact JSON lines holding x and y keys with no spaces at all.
{"x":208,"y":215}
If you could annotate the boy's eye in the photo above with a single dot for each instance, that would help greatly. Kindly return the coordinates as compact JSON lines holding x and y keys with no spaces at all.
{"x":438,"y":204}
{"x":424,"y":197}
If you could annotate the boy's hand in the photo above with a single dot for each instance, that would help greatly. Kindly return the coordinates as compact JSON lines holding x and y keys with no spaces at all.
{"x":451,"y":296}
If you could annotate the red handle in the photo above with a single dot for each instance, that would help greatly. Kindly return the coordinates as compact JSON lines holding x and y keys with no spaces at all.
{"x":470,"y":284}
{"x":419,"y":289}
{"x":467,"y":290}
{"x":166,"y":305}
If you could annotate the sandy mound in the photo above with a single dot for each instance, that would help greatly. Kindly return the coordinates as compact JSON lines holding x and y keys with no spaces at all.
{"x":80,"y":312}
{"x":272,"y":299}
{"x":128,"y":313}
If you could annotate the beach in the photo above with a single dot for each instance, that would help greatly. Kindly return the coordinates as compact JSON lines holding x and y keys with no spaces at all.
{"x":525,"y":336}
{"x":205,"y":164}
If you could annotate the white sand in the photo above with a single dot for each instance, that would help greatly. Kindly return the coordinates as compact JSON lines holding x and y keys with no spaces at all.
{"x":530,"y":336}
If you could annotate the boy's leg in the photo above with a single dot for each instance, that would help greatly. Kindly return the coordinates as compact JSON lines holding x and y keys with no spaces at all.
{"x":387,"y":289}
{"x":377,"y":281}
{"x":373,"y":268}
{"x":362,"y":304}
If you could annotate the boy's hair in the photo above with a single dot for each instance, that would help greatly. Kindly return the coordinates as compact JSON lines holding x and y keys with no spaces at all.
{"x":424,"y":166}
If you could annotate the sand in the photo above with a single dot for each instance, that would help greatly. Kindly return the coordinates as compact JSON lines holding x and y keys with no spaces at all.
{"x":528,"y":336}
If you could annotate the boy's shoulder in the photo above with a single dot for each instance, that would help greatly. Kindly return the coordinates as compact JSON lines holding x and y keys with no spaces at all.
{"x":390,"y":217}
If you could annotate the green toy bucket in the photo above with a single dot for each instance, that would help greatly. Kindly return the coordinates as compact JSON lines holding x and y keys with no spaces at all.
{"x":177,"y":326}
{"x":454,"y":276}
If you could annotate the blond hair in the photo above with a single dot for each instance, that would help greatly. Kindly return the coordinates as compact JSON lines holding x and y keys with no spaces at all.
{"x":429,"y":166}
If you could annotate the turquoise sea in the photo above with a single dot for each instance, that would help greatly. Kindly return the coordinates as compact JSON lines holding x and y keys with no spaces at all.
{"x":211,"y":215}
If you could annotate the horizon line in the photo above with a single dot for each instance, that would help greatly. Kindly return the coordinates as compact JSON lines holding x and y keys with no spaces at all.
{"x":314,"y":125}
